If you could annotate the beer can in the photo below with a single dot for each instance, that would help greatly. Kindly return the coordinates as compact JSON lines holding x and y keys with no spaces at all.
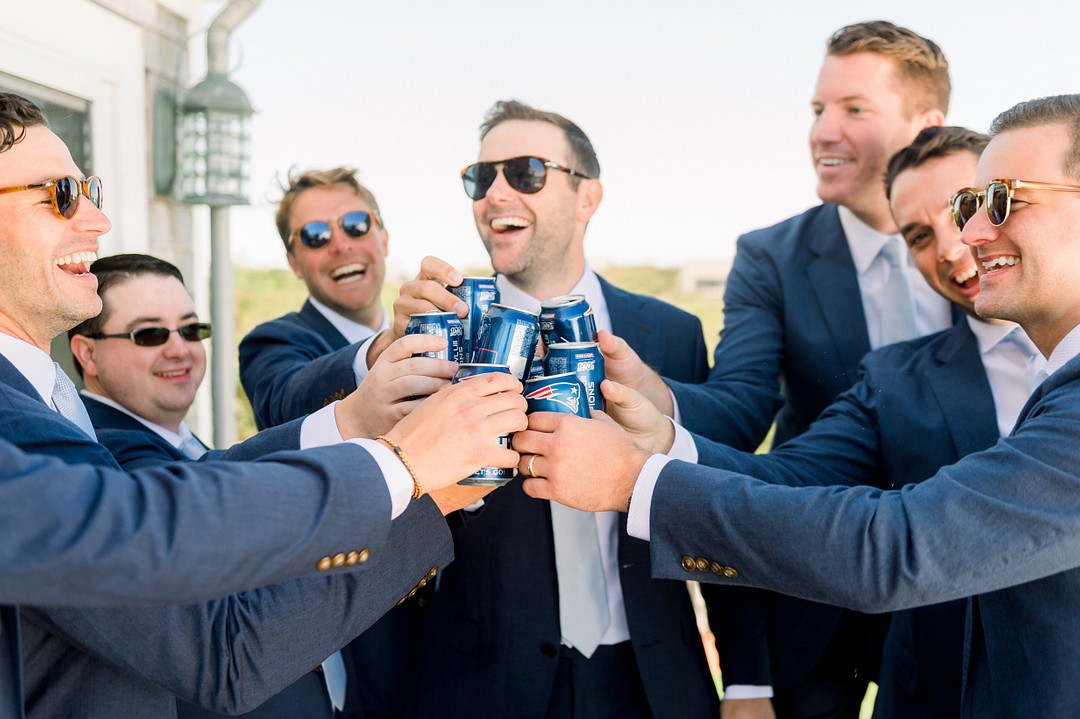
{"x":444,"y":324}
{"x":507,"y":336}
{"x":557,"y":393}
{"x":536,"y":368}
{"x":567,"y":318}
{"x":584,"y":360}
{"x":486,"y":476}
{"x":478,"y":293}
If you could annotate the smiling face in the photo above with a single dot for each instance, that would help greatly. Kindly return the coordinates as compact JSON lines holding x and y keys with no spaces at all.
{"x":1026,"y":265}
{"x":861,"y":119}
{"x":347,"y":274}
{"x":156,"y":383}
{"x":920,"y":207}
{"x":48,"y":288}
{"x":536,"y":240}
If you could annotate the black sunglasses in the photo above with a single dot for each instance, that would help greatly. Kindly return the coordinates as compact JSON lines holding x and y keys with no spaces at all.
{"x":998,"y":197}
{"x":155,"y":336}
{"x":64,"y":193}
{"x":318,"y":233}
{"x":525,"y":174}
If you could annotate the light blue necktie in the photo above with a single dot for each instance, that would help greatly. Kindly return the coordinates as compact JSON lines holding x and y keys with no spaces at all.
{"x":67,"y":402}
{"x":192,"y":447}
{"x":334,"y":676}
{"x":898,"y":300}
{"x":583,"y":603}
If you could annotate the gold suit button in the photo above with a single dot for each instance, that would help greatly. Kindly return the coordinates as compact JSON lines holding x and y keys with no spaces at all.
{"x":323,"y":564}
{"x":364,"y":555}
{"x":730,"y":572}
{"x":716,"y":567}
{"x":352,"y":558}
{"x":432,"y":572}
{"x":702,"y":564}
{"x":338,"y":560}
{"x":688,"y":564}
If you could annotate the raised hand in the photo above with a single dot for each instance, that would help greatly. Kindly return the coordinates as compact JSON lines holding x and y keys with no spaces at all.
{"x":622,"y":364}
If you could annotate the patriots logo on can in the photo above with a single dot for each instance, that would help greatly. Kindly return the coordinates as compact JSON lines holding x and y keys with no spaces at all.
{"x":568,"y":394}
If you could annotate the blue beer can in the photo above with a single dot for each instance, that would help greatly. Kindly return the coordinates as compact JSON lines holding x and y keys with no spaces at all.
{"x":507,"y":336}
{"x":557,"y":393}
{"x":567,"y":318}
{"x":444,"y":324}
{"x":478,"y":293}
{"x":486,"y":476}
{"x":584,"y":360}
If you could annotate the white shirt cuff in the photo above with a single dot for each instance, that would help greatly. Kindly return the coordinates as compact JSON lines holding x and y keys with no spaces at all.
{"x":748,"y":691}
{"x":675,"y":414}
{"x":637,"y":520}
{"x":683,"y":447}
{"x":319,"y":429}
{"x":359,"y":364}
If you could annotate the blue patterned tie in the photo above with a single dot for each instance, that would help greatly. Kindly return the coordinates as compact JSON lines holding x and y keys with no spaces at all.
{"x":192,"y":447}
{"x":583,"y":603}
{"x":898,"y":301}
{"x":334,"y":676}
{"x":67,"y":402}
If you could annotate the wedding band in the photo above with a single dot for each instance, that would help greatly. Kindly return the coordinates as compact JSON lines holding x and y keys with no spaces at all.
{"x":529,"y":469}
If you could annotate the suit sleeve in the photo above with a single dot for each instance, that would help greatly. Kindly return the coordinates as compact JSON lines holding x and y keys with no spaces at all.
{"x":737,"y":403}
{"x":232,"y":654}
{"x":288,"y":372}
{"x":89,"y":535}
{"x":874,"y":551}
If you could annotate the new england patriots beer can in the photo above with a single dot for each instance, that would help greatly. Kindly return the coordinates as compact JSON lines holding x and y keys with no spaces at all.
{"x":507,"y":336}
{"x":567,"y":318}
{"x":478,"y":293}
{"x":486,"y":476}
{"x":444,"y":324}
{"x":584,"y":360}
{"x":557,"y":393}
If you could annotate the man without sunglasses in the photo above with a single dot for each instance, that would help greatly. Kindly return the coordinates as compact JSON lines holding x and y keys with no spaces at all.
{"x":231,"y":653}
{"x":493,"y":640}
{"x":1001,"y":525}
{"x":804,"y":301}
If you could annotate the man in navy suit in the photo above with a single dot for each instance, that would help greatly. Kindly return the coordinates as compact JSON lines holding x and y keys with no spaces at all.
{"x":137,"y":396}
{"x":336,"y":242}
{"x":1001,"y":525}
{"x":805,"y":300}
{"x":495,"y":621}
{"x":49,"y":237}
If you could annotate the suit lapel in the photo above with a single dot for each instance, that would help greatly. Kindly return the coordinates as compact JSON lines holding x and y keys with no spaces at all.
{"x":957,"y":361}
{"x":628,"y":322}
{"x":836,"y":286}
{"x":322,"y":326}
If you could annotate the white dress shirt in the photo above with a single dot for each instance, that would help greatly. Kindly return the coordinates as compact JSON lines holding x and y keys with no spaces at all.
{"x":1006,"y":367}
{"x":318,"y":429}
{"x":607,"y":523}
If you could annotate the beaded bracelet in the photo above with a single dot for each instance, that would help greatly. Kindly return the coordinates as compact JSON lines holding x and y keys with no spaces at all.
{"x":418,"y":489}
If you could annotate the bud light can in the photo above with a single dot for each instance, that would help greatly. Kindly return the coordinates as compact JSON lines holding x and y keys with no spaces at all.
{"x":557,"y":393}
{"x":584,"y":360}
{"x":444,"y":324}
{"x":478,"y":293}
{"x":567,"y":318}
{"x":507,"y":336}
{"x":486,"y":476}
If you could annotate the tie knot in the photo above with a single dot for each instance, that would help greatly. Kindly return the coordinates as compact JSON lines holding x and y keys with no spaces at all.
{"x":894,"y":253}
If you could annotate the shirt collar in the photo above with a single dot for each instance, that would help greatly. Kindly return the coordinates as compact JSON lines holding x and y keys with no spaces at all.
{"x":989,"y":335}
{"x":589,"y":285}
{"x":1067,"y":348}
{"x":864,"y":241}
{"x":351,"y":330}
{"x":168,"y":435}
{"x":36,"y":366}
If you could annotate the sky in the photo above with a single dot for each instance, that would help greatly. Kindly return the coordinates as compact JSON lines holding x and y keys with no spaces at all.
{"x":699,"y":110}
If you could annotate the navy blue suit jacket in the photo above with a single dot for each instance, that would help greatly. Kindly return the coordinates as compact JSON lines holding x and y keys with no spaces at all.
{"x":491,"y":634}
{"x":919,"y":406}
{"x":1002,"y":524}
{"x":215,"y":653}
{"x":294,"y":365}
{"x":134,"y":444}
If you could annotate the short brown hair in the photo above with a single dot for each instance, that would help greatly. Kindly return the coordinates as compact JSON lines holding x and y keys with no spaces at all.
{"x":581,"y":148}
{"x":1053,"y":110}
{"x":16,"y":114}
{"x":309,"y":179}
{"x":920,"y":63}
{"x":932,"y":142}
